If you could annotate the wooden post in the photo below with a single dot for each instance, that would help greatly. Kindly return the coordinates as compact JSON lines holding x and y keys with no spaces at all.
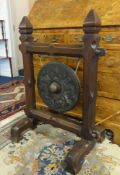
{"x":91,"y":43}
{"x":91,"y":52}
{"x":26,"y":30}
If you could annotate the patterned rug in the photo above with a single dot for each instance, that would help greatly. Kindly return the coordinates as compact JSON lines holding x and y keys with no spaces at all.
{"x":4,"y":79}
{"x":43,"y":150}
{"x":12,"y":98}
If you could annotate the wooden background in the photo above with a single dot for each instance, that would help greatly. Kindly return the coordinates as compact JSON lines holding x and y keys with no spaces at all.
{"x":62,"y":14}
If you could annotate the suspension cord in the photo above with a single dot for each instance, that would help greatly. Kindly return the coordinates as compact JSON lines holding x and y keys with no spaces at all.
{"x":109,"y":117}
{"x":78,"y":64}
{"x":41,"y":64}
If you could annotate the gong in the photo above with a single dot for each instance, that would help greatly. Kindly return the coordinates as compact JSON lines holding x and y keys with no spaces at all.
{"x":58,"y":86}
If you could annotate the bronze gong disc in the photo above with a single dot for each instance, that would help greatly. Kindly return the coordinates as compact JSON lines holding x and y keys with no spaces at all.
{"x":58,"y":86}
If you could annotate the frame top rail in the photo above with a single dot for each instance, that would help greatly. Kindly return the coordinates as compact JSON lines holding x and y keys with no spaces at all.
{"x":55,"y":49}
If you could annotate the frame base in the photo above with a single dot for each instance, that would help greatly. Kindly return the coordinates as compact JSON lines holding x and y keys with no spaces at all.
{"x":75,"y":157}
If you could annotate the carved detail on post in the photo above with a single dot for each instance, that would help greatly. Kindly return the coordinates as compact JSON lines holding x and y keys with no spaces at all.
{"x":92,"y":23}
{"x":25,"y":29}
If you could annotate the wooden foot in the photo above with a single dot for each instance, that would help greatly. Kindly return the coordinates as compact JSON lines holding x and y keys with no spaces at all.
{"x":76,"y":156}
{"x":18,"y":129}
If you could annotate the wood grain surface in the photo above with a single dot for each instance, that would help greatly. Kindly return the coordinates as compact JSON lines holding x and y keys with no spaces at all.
{"x":64,"y":13}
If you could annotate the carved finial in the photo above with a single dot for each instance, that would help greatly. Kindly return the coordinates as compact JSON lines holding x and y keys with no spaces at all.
{"x":25,"y":26}
{"x":25,"y":29}
{"x":92,"y":23}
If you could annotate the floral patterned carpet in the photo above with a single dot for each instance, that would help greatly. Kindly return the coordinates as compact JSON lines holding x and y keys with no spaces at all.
{"x":42,"y":152}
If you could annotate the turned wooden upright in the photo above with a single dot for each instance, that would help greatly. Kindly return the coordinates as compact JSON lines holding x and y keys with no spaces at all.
{"x":91,"y":40}
{"x":90,"y":52}
{"x":26,"y":30}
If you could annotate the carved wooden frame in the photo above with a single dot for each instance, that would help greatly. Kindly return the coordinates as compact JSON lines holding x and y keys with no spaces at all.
{"x":90,"y":52}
